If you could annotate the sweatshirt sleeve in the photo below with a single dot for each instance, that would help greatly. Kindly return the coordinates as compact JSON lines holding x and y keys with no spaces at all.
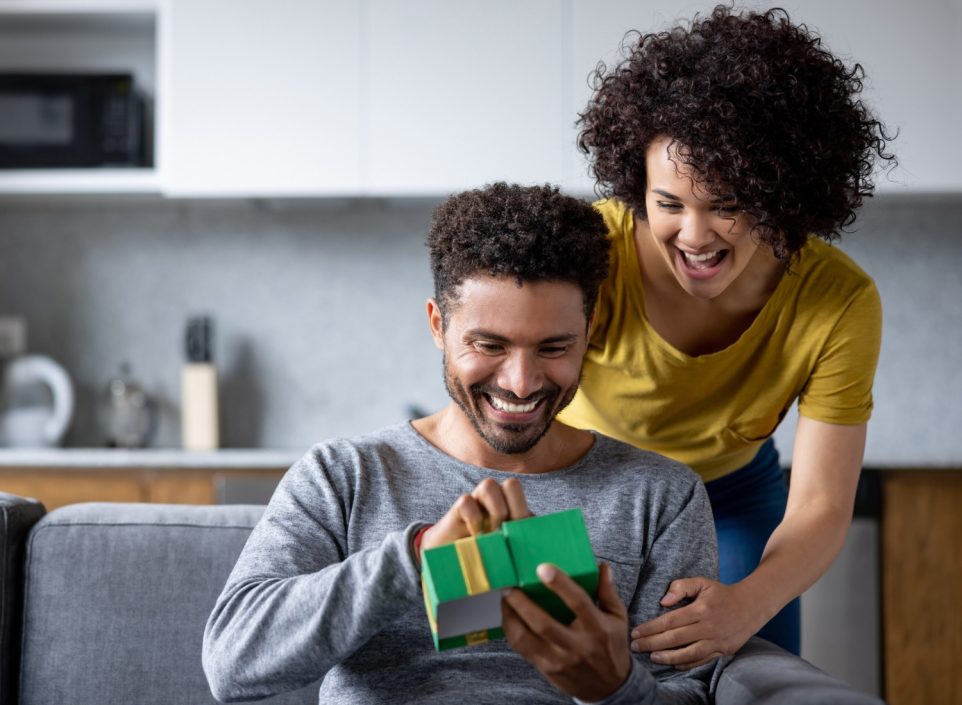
{"x":298,"y":601}
{"x":684,"y":546}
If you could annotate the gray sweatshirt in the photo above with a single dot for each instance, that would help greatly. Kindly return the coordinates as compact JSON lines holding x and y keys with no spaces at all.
{"x":327,"y":586}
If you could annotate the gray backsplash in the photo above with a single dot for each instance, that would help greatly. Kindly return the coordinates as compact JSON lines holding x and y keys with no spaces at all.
{"x":319,"y":308}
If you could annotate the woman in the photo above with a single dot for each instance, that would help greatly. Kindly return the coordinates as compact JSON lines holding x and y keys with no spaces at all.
{"x":732,"y":151}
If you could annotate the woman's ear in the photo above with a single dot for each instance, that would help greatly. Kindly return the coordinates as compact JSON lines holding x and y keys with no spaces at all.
{"x":436,"y":323}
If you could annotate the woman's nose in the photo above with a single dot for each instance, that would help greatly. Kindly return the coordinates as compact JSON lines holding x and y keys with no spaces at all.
{"x":696,"y":231}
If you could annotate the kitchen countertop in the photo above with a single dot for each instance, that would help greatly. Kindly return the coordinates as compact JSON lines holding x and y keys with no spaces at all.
{"x":159,"y":458}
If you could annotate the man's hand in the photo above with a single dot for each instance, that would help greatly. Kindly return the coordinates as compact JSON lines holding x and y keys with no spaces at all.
{"x":719,"y":620}
{"x":587,"y":659}
{"x":487,"y":507}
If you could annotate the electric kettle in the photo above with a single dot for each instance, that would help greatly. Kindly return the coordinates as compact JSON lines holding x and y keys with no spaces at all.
{"x":36,"y":403}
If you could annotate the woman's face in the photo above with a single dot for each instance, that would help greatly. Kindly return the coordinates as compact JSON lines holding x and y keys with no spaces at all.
{"x":704,"y":238}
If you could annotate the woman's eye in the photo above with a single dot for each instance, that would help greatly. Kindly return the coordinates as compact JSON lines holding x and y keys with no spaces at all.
{"x":668,"y":206}
{"x":728,"y":210}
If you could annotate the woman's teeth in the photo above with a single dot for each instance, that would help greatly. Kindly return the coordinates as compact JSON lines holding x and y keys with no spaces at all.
{"x":703,"y":261}
{"x":510,"y":408}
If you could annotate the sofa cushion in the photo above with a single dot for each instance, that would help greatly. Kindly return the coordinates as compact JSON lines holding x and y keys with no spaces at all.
{"x":17,"y":517}
{"x":117,"y":596}
{"x":762,"y":673}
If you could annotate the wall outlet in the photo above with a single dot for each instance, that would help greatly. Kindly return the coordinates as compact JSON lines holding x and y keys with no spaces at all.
{"x":13,"y":336}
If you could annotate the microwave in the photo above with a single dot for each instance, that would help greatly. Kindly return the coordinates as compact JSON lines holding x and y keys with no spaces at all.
{"x":50,"y":121}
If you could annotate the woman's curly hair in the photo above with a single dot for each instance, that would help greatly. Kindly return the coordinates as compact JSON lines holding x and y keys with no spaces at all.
{"x":759,"y":109}
{"x":531,"y":233}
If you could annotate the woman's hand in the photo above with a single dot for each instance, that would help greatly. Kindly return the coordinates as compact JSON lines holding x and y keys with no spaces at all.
{"x":717,"y":622}
{"x":485,"y":509}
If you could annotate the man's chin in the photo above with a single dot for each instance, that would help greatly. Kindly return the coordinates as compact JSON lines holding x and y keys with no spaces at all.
{"x":513,"y":440}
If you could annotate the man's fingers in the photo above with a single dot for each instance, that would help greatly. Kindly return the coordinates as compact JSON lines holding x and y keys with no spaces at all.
{"x":489,"y":494}
{"x":514,"y":495}
{"x":535,"y":619}
{"x":517,"y":631}
{"x":469,"y":511}
{"x":571,"y":593}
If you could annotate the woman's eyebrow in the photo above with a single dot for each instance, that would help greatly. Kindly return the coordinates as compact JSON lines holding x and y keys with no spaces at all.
{"x":715,"y":199}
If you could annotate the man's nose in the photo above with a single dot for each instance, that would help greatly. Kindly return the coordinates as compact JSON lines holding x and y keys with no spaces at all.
{"x":521,"y":374}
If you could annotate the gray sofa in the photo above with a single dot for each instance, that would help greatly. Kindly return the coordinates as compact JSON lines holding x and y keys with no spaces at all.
{"x":106,"y":603}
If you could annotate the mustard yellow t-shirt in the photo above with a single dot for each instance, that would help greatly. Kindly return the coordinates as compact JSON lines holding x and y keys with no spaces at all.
{"x":816,"y":340}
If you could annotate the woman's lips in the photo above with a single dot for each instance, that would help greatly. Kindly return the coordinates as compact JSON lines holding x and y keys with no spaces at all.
{"x":699,"y":266}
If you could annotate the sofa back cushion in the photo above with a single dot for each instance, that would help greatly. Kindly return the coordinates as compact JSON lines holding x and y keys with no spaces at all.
{"x":116,"y":599}
{"x":17,"y":517}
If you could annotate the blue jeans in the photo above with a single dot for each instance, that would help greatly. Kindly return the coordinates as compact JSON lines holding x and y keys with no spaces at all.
{"x":748,"y":504}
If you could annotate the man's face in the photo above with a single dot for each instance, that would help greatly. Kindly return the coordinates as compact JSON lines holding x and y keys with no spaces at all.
{"x":512,"y":356}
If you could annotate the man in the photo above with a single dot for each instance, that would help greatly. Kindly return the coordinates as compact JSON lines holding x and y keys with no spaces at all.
{"x":328,"y":585}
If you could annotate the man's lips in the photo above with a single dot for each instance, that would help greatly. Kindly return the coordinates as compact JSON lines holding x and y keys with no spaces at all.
{"x":514,"y":411}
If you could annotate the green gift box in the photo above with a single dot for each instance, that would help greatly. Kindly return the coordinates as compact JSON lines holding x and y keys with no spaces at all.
{"x":463,"y":582}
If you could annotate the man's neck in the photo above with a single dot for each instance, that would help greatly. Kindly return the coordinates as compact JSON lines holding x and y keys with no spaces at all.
{"x":451,"y":432}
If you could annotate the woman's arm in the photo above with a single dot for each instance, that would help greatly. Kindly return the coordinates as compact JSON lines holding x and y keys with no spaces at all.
{"x":826,"y":462}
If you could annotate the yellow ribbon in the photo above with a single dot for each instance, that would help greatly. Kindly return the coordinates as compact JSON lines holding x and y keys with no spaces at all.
{"x":472,"y":567}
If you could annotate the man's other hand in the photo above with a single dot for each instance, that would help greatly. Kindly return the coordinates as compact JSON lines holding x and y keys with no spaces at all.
{"x":587,"y":659}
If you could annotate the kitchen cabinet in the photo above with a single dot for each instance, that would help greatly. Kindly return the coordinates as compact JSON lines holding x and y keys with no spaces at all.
{"x":384,"y":98}
{"x":260,"y":98}
{"x":462,"y":94}
{"x":68,"y":36}
{"x":921,"y":579}
{"x":910,"y":53}
{"x":56,"y":487}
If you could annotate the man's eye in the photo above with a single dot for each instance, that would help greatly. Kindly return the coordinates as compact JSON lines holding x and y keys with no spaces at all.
{"x":488,"y":348}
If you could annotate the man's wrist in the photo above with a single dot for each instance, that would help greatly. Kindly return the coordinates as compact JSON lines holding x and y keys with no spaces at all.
{"x":621,"y":692}
{"x":416,"y":544}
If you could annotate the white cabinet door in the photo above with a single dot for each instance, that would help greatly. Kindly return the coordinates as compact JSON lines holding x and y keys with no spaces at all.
{"x":463,"y":93}
{"x":910,"y":53}
{"x":598,"y":28}
{"x":259,"y":97}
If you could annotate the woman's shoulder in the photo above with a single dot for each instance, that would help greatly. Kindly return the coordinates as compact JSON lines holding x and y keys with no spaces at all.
{"x":824,"y":269}
{"x":617,"y":215}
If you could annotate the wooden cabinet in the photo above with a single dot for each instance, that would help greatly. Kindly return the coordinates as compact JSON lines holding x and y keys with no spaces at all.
{"x":56,"y":487}
{"x":922,"y":586}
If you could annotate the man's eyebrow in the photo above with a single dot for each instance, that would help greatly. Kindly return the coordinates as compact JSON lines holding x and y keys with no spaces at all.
{"x":673,"y":197}
{"x":495,"y":337}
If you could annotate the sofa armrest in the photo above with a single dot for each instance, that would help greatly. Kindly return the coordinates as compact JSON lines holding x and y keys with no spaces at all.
{"x":762,"y":673}
{"x":17,"y":517}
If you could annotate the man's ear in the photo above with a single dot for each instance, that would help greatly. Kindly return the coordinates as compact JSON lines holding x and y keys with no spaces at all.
{"x":436,"y":323}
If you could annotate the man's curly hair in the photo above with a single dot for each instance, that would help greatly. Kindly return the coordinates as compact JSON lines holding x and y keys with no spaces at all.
{"x":757,"y":107}
{"x":530,"y":233}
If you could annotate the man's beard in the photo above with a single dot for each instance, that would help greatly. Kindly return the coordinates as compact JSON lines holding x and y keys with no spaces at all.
{"x":509,"y":439}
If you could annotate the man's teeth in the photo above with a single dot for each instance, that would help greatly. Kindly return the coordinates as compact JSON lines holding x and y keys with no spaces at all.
{"x":502,"y":405}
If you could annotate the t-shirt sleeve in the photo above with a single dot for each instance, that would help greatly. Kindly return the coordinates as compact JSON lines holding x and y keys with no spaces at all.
{"x":299,"y":601}
{"x":839,"y":389}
